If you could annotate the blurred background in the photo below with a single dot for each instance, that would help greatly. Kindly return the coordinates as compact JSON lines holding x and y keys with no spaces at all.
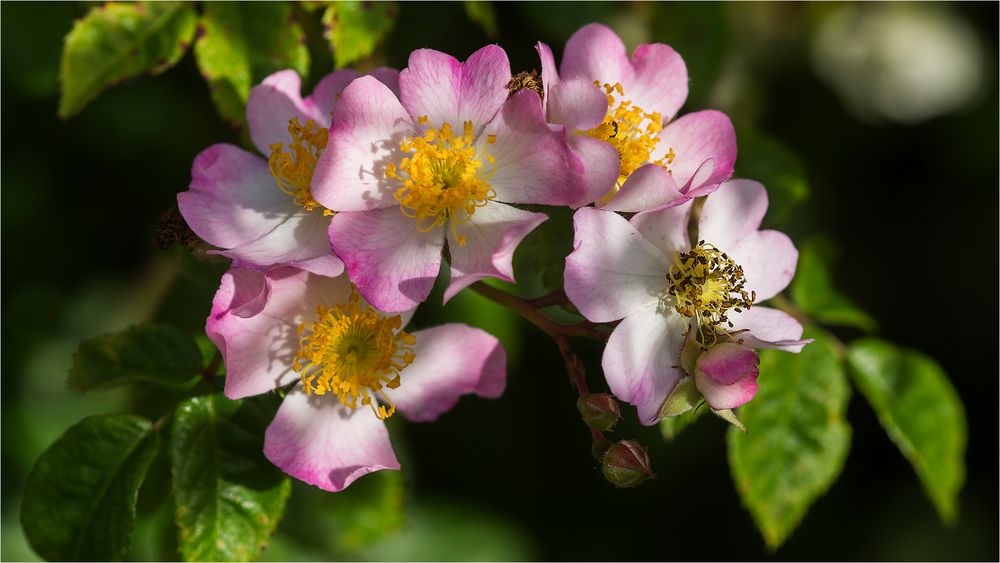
{"x":887,"y":115}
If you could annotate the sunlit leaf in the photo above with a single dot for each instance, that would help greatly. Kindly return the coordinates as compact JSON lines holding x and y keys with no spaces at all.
{"x":797,"y":436}
{"x":770,"y":162}
{"x":922,"y":413}
{"x":229,"y":497}
{"x":162,"y":354}
{"x":79,"y":502}
{"x":814,"y":293}
{"x":482,"y":12}
{"x":354,"y":28}
{"x":118,"y":41}
{"x":240,"y":43}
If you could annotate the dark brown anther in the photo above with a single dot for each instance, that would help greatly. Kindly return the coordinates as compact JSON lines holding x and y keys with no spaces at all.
{"x":526,"y":81}
{"x":174,"y":230}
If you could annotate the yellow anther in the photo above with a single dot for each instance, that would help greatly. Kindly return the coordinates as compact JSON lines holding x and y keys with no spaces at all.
{"x":352,"y":351}
{"x":632,"y":131}
{"x":443,"y":177}
{"x":706,"y":284}
{"x":292,"y":165}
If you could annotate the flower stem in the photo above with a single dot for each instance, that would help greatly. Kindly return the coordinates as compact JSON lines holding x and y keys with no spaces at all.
{"x":528,"y":308}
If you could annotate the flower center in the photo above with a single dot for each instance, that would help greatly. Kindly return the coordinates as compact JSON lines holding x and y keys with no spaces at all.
{"x":292,"y":165}
{"x":706,"y":284}
{"x":443,"y":177}
{"x":352,"y":351}
{"x":632,"y":131}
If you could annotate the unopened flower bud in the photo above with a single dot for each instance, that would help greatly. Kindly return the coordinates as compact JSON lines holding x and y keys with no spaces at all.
{"x":599,"y":410}
{"x":626,"y":464}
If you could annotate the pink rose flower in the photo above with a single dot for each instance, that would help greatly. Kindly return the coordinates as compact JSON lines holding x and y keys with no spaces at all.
{"x":260,"y":211}
{"x":646,"y":272}
{"x":635,"y":155}
{"x":352,"y":366}
{"x":407,"y":173}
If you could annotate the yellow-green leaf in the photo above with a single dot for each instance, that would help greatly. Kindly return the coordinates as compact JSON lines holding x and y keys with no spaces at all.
{"x":229,"y":498}
{"x":355,"y":28}
{"x":482,"y":12}
{"x":117,"y":41}
{"x":240,"y":43}
{"x":797,"y":436}
{"x":921,"y":412}
{"x":814,"y":292}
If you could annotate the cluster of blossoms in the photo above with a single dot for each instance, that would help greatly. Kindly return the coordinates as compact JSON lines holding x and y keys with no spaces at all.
{"x":339,"y":231}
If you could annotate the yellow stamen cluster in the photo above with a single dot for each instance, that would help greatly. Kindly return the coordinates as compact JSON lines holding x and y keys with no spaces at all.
{"x":706,"y":284}
{"x":632,"y":131}
{"x":444,"y":179}
{"x":353,"y":352}
{"x":292,"y":165}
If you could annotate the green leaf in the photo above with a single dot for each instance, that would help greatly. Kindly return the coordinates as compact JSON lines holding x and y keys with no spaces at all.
{"x":921,"y":412}
{"x":79,"y":501}
{"x":162,"y":354}
{"x":229,"y":497}
{"x":671,"y":426}
{"x":814,"y":293}
{"x":355,"y":28}
{"x":770,"y":162}
{"x":240,"y":43}
{"x":482,"y":13}
{"x":797,"y":436}
{"x":118,"y":41}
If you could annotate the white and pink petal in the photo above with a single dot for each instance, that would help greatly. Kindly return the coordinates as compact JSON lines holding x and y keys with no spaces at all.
{"x":642,"y":358}
{"x":613,"y":271}
{"x":489,"y":240}
{"x":393,"y":264}
{"x":534,"y":163}
{"x":317,"y":440}
{"x":365,"y":135}
{"x":450,"y":360}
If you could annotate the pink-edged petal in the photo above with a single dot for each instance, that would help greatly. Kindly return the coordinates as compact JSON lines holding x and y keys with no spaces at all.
{"x":599,"y":161}
{"x":768,"y":328}
{"x":534,"y":164}
{"x":655,"y":79}
{"x":449,"y":361}
{"x":233,"y":199}
{"x":727,"y":375}
{"x":367,"y":128}
{"x":649,"y":187}
{"x":300,"y":241}
{"x":392,"y":264}
{"x":491,"y":236}
{"x":730,"y":219}
{"x":550,"y":72}
{"x":253,"y":323}
{"x":594,"y":52}
{"x":324,"y":95}
{"x":438,"y":86}
{"x":329,"y":89}
{"x":768,"y":259}
{"x":666,"y":228}
{"x":317,"y":440}
{"x":705,"y":146}
{"x":613,"y":271}
{"x":641,"y":358}
{"x":659,"y":81}
{"x":272,"y":104}
{"x":732,"y":212}
{"x":577,"y":104}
